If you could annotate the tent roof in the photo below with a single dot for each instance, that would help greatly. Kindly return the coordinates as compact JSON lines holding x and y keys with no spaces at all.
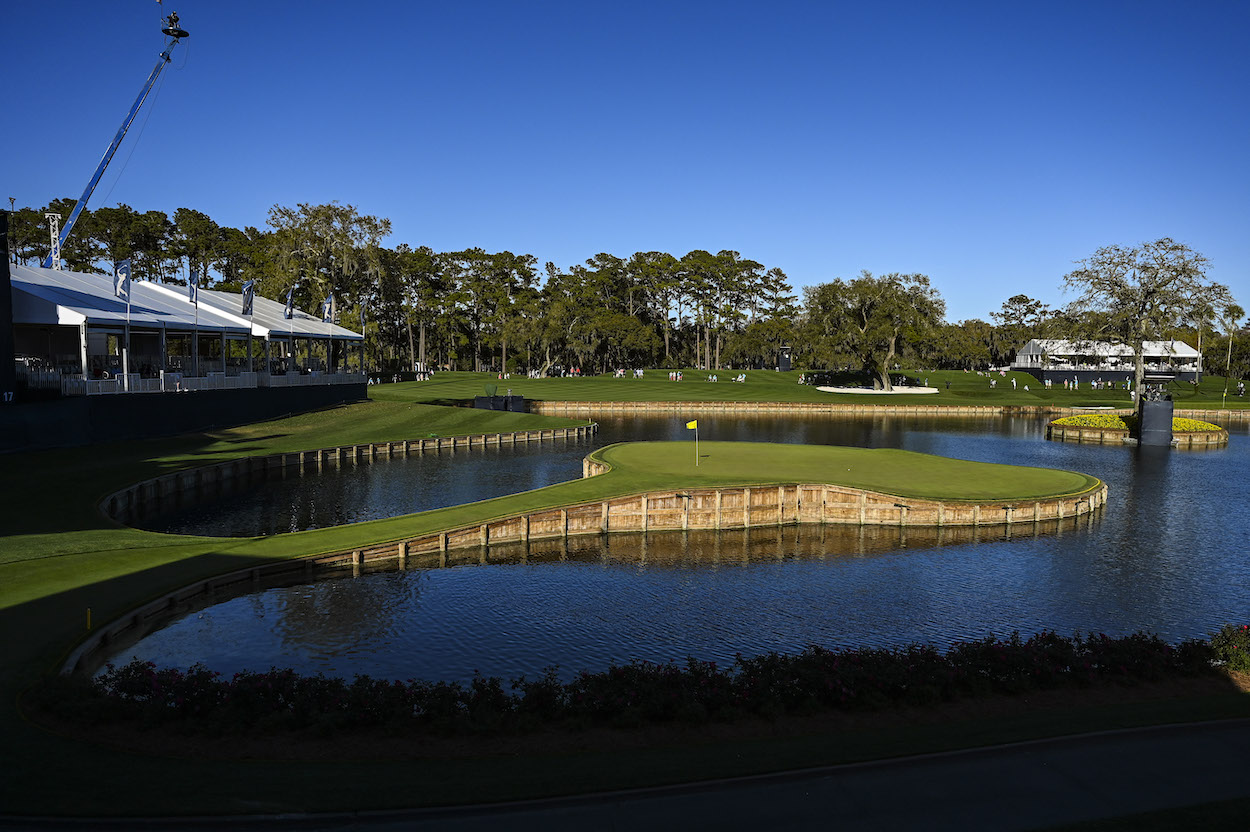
{"x":47,"y":296}
{"x":1059,"y":346}
{"x":269,"y":318}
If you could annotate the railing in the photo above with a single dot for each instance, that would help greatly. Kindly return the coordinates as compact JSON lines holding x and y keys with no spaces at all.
{"x":176,"y":382}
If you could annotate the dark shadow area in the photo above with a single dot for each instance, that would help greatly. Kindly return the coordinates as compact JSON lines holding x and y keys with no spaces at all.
{"x":83,"y":420}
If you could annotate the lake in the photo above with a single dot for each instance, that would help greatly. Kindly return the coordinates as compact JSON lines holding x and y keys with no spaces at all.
{"x":1170,"y":554}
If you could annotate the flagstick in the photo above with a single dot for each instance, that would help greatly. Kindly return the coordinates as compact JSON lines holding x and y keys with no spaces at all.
{"x":696,"y":445}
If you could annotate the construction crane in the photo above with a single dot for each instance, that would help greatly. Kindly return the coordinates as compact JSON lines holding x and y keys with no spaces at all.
{"x":175,"y":33}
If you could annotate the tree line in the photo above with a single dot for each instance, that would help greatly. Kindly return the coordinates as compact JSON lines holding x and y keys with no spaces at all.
{"x":480,"y":310}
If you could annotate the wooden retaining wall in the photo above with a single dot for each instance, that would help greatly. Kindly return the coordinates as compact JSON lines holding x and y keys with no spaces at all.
{"x":1113,"y":436}
{"x":132,"y":502}
{"x":587,"y":410}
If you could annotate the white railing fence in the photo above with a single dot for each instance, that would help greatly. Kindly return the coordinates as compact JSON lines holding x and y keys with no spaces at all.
{"x":177,"y":382}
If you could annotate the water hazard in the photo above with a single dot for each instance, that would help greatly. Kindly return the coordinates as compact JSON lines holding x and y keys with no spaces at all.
{"x":1169,"y":554}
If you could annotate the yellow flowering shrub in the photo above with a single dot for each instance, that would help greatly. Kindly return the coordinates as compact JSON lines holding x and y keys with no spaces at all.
{"x":1106,"y":421}
{"x":1192,"y":425}
{"x":1111,"y":421}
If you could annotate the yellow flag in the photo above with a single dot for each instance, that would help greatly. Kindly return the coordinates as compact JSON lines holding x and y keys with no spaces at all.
{"x":692,"y":425}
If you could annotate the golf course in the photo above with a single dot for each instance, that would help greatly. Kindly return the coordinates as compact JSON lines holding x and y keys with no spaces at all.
{"x":65,"y":566}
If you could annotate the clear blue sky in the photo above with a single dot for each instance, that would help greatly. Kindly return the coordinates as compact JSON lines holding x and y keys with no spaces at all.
{"x":988,"y":145}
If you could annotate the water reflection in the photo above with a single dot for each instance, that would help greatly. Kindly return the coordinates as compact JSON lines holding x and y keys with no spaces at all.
{"x":585,"y":602}
{"x":284,"y":500}
{"x":1170,"y":553}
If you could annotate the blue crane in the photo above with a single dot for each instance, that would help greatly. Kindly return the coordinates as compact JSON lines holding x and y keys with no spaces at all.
{"x":175,"y":33}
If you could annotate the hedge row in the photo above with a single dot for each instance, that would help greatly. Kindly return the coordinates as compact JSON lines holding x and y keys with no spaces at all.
{"x":770,"y":685}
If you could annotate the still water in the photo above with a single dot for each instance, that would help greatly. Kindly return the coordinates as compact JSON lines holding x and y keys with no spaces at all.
{"x":1170,"y":553}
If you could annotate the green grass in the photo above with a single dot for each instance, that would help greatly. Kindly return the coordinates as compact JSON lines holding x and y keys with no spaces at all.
{"x":966,"y":389}
{"x":886,"y":470}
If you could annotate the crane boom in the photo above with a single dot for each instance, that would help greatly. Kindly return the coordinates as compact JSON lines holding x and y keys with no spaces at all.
{"x":175,"y":34}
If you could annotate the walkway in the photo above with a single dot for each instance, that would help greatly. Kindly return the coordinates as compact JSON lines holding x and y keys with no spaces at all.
{"x":1018,"y":787}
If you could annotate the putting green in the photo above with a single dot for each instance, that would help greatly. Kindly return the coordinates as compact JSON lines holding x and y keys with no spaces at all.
{"x":885,"y":470}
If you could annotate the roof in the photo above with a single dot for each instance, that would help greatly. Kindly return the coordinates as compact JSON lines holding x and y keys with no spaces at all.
{"x":1060,"y":346}
{"x":269,"y":318}
{"x":47,"y":296}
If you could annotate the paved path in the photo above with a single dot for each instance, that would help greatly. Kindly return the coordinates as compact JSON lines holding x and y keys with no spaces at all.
{"x":1017,"y":787}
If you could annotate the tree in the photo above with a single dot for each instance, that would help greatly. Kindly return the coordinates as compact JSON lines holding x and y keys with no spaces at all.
{"x":197,"y":238}
{"x":874,"y":318}
{"x":1228,"y":317}
{"x":325,"y":249}
{"x":1133,"y":295}
{"x":967,"y":345}
{"x":80,"y":251}
{"x":1020,"y":319}
{"x":656,"y":273}
{"x":114,"y":230}
{"x":28,"y":236}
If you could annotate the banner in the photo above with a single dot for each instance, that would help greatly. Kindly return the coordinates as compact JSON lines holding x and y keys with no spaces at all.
{"x":121,"y":279}
{"x":290,"y":303}
{"x":327,"y":309}
{"x":193,"y":289}
{"x":249,"y":296}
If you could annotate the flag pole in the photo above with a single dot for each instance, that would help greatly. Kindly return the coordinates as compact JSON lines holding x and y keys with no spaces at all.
{"x":696,"y":444}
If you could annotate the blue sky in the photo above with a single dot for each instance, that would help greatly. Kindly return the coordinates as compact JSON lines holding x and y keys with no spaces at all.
{"x":987,"y":145}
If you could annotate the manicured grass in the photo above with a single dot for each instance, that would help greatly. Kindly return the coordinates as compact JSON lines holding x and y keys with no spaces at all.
{"x":886,"y":470}
{"x":966,"y":389}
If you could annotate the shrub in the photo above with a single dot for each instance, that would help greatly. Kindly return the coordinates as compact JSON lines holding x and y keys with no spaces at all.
{"x":625,"y":696}
{"x":1231,"y":645}
{"x":1111,"y":421}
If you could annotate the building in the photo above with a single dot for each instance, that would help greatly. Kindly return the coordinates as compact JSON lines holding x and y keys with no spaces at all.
{"x":73,"y":336}
{"x":1058,"y":360}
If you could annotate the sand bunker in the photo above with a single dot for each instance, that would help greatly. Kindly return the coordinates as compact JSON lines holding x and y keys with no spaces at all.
{"x":865,"y":391}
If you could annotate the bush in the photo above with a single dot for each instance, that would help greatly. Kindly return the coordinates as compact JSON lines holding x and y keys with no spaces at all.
{"x":639,"y":693}
{"x":1231,"y":645}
